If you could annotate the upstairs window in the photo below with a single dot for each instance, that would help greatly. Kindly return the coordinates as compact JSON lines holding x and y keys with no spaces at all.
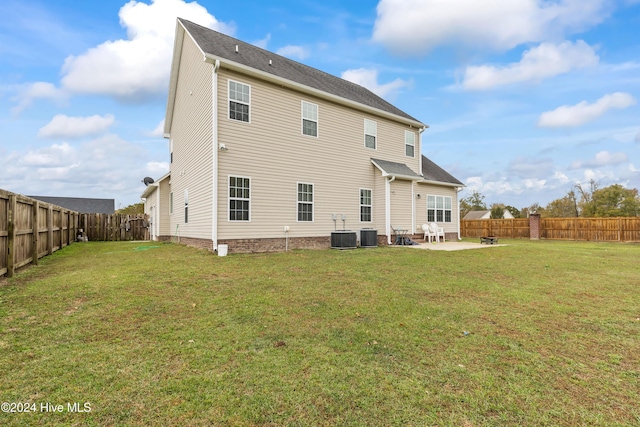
{"x":239,"y":198}
{"x":370,"y":133}
{"x":309,"y":119}
{"x":305,"y":202}
{"x":409,"y":143}
{"x":239,"y":101}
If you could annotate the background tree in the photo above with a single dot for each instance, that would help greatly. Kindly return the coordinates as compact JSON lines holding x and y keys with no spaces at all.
{"x":534,"y":208}
{"x":473,"y":202}
{"x":564,"y":207}
{"x":497,"y":211}
{"x":587,"y":203}
{"x":136,"y":208}
{"x":615,"y":200}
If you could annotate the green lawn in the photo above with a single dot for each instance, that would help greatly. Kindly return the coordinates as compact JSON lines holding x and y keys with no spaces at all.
{"x":530,"y":334}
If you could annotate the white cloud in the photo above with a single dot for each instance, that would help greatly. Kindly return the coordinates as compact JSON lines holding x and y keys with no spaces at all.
{"x":62,"y":126}
{"x":262,"y":43}
{"x":31,"y":92}
{"x":158,"y":131}
{"x":544,"y":61}
{"x":53,"y":156}
{"x":583,"y":112}
{"x":603,"y":158}
{"x":138,"y":67}
{"x":157,"y":168}
{"x":561,"y":177}
{"x":368,"y":78}
{"x":292,"y":51}
{"x":417,"y":26}
{"x":534,"y":184}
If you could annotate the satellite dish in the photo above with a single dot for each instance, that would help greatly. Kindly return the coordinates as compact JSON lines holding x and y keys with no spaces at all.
{"x":147,"y":180}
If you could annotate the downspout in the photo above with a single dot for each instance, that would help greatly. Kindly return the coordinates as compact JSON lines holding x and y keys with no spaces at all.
{"x":413,"y":226}
{"x":214,"y":196}
{"x":458,"y":190}
{"x":387,"y":197}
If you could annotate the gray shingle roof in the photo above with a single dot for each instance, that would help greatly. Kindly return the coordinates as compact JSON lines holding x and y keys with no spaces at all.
{"x":393,"y":168}
{"x":433,"y":172}
{"x":477,"y":214}
{"x":81,"y":205}
{"x":224,"y":47}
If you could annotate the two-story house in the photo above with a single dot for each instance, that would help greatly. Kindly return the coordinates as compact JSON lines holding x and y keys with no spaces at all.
{"x":266,"y":151}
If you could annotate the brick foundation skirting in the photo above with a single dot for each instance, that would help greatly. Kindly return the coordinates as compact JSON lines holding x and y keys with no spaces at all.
{"x":278,"y":244}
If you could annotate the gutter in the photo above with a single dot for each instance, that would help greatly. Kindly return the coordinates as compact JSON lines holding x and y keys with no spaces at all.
{"x":387,"y":206}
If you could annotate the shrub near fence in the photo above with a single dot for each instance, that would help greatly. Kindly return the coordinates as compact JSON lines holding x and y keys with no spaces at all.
{"x":30,"y":230}
{"x":590,"y":229}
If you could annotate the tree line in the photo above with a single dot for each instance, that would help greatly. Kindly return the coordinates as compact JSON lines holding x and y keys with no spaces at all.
{"x":580,"y":201}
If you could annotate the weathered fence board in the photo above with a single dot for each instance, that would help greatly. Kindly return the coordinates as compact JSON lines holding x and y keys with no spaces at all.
{"x":589,"y":229}
{"x":116,"y":227}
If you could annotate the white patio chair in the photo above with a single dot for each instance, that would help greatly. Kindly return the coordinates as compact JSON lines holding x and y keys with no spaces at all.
{"x":428,"y":233}
{"x":439,"y":231}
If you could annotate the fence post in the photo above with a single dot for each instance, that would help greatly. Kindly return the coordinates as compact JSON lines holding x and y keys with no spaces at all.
{"x":36,"y":235}
{"x":11,"y":237}
{"x":534,"y":226}
{"x":50,"y":230}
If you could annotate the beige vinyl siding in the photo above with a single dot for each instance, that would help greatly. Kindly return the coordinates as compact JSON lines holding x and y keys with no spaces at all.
{"x":401,"y":215}
{"x":436,"y":190}
{"x":165,"y":201}
{"x":191,"y":133}
{"x":274,"y":153}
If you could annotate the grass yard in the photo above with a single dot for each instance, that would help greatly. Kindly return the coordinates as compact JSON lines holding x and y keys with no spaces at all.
{"x":530,"y":334}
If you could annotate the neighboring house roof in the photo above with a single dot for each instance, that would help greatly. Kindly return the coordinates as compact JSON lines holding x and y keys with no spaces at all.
{"x":250,"y":58}
{"x":478,"y":215}
{"x":81,"y":204}
{"x":399,"y":170}
{"x":434,"y":173}
{"x":486,"y":214}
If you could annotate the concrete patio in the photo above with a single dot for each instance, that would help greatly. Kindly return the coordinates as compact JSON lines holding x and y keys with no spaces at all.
{"x":450,"y":246}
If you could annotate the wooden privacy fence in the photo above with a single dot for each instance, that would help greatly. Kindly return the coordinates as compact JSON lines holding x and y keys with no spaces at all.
{"x":517,"y":228}
{"x":590,"y":229}
{"x":596,"y":229}
{"x":31,"y":229}
{"x":116,"y":227}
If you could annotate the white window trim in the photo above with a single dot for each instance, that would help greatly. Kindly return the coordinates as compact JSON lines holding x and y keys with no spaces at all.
{"x":443,"y":209}
{"x":238,"y":198}
{"x":229,"y":100}
{"x":302,"y":119}
{"x":313,"y":202}
{"x":361,"y":205}
{"x":375,"y":135}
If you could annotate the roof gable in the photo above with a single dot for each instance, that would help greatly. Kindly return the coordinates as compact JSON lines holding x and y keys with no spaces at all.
{"x":223,"y":47}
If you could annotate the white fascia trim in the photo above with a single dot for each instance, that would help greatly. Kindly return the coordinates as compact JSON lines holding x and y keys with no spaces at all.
{"x":440,"y":183}
{"x":315,"y":92}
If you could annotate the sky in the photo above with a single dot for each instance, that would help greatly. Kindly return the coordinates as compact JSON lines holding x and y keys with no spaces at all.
{"x":524,"y":98}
